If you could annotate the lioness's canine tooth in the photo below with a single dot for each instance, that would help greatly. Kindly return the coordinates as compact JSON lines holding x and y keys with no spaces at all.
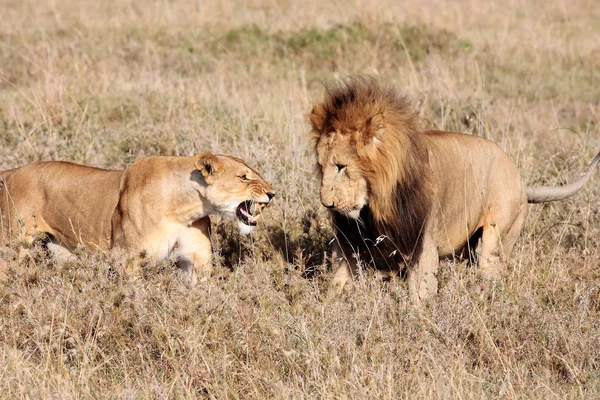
{"x":256,"y":209}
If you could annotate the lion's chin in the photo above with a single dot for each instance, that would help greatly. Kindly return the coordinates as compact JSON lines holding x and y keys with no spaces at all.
{"x":354,"y":214}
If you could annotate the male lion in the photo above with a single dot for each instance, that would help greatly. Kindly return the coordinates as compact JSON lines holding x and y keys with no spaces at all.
{"x":158,"y":206}
{"x":401,"y":196}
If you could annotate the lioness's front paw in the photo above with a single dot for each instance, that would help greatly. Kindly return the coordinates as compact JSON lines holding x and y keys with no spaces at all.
{"x":201,"y":274}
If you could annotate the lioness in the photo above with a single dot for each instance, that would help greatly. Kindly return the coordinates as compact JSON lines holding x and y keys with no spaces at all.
{"x":158,"y":206}
{"x":402,"y":196}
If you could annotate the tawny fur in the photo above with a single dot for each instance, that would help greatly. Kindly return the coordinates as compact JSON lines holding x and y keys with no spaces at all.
{"x":158,"y":206}
{"x":403,"y":197}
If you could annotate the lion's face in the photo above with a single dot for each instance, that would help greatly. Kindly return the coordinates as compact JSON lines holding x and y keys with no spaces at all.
{"x":343,"y":185}
{"x":234,"y":189}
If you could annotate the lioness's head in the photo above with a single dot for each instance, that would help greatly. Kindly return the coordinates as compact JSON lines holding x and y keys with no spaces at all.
{"x":361,"y":133}
{"x":234,"y":189}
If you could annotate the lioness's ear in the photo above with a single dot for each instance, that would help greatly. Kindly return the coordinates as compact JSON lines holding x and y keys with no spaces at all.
{"x":208,"y":164}
{"x":374,"y":129}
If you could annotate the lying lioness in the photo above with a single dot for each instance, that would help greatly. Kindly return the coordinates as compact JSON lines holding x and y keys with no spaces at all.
{"x":158,"y":206}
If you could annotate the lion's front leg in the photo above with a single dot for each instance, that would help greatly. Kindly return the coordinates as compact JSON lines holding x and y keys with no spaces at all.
{"x":345,"y":269}
{"x":421,"y":277}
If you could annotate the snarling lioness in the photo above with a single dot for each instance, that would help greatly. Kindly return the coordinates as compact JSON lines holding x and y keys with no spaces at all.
{"x":158,"y":206}
{"x":404,"y":197}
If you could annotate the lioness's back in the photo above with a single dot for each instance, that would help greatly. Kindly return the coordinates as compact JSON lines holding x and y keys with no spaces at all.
{"x":77,"y":197}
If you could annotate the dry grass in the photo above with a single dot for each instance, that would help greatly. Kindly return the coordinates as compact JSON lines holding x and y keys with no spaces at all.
{"x":107,"y":82}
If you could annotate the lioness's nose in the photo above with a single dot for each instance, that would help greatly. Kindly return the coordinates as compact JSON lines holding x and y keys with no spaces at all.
{"x":270,"y":195}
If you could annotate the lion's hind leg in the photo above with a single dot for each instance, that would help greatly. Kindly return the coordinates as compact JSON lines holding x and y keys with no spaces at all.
{"x":499,"y":234}
{"x":514,"y":231}
{"x":489,"y":250}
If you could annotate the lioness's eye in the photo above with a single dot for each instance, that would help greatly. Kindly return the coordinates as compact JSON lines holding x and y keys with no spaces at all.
{"x":340,"y":167}
{"x":243,"y":177}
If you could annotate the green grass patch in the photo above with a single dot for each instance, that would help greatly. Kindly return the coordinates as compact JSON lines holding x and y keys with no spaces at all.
{"x":344,"y":42}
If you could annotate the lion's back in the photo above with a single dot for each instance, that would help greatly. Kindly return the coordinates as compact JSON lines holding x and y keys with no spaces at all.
{"x":459,"y":156}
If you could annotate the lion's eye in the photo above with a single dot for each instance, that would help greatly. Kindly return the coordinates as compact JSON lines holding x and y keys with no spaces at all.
{"x":340,"y":167}
{"x":243,"y":178}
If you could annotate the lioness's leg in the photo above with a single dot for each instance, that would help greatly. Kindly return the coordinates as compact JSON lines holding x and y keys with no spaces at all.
{"x":59,"y":252}
{"x":195,"y":251}
{"x":34,"y":228}
{"x":422,"y":280}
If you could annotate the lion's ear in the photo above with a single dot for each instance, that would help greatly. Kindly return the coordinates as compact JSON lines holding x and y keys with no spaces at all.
{"x":208,"y":164}
{"x":317,"y":117}
{"x":374,"y":128}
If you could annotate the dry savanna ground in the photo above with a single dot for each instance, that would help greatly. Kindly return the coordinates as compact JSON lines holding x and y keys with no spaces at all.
{"x":107,"y":82}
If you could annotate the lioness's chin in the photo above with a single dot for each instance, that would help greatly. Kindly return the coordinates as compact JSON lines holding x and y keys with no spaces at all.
{"x":245,"y":229}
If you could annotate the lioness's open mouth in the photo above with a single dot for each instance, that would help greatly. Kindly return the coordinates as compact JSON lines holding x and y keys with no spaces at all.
{"x":250,"y":211}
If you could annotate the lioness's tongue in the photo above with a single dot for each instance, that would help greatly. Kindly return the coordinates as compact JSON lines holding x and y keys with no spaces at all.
{"x":246,"y":213}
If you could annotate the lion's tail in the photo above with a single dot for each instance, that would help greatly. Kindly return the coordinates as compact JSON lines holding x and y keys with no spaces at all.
{"x":542,"y":194}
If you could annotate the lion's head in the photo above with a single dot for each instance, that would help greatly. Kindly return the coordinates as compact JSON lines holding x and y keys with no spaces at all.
{"x":234,"y":189}
{"x":344,"y":186}
{"x":372,"y":159}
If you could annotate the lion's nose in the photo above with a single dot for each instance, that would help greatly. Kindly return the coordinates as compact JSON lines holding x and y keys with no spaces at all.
{"x":328,"y":205}
{"x":270,"y":195}
{"x":327,"y":197}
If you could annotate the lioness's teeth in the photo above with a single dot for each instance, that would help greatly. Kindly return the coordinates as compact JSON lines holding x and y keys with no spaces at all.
{"x":255,"y":217}
{"x":257,"y":209}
